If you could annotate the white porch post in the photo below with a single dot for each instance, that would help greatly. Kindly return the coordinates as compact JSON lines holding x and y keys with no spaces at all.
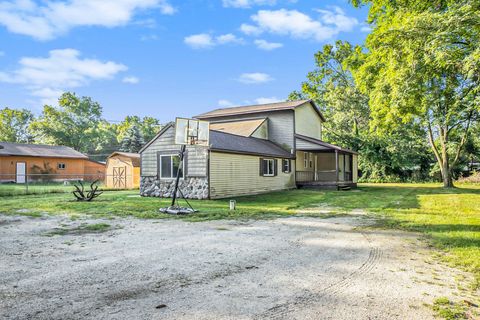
{"x":336,"y":165}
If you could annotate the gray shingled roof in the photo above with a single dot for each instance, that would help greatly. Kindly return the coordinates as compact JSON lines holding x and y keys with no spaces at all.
{"x":222,"y":141}
{"x":278,"y":106}
{"x":37,"y":150}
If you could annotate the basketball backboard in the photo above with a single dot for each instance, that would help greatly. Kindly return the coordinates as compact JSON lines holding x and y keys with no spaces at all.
{"x":192,"y":132}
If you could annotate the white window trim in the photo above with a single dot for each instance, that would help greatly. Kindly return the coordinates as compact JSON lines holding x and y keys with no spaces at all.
{"x":59,"y":167}
{"x":171,"y":167}
{"x":273,"y":167}
{"x":306,"y":155}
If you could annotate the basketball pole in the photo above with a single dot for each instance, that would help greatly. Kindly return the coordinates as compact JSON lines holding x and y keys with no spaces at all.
{"x":177,"y":180}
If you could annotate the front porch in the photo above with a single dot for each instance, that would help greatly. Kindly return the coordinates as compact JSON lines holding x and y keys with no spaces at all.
{"x":322,"y":165}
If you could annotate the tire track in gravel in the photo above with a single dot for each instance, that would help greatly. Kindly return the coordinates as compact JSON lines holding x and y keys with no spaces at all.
{"x":281,"y":311}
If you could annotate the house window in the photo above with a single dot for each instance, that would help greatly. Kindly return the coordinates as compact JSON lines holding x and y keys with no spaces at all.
{"x":61,"y":166}
{"x":305,"y":159}
{"x":286,"y":165}
{"x":268,"y":167}
{"x":169,"y":166}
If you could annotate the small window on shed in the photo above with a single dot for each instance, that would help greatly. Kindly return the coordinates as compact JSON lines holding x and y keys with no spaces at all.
{"x":61,"y":166}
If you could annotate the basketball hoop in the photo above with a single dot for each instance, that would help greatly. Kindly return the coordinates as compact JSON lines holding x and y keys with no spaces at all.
{"x":187,"y":132}
{"x":192,"y":132}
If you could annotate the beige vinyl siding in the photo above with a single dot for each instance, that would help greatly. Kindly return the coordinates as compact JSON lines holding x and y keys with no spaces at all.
{"x":301,"y":161}
{"x":262,"y":131}
{"x":235,"y":175}
{"x":197,"y":157}
{"x":280,"y":126}
{"x":308,"y":122}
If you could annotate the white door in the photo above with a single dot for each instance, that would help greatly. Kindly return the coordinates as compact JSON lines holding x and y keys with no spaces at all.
{"x":21,"y":171}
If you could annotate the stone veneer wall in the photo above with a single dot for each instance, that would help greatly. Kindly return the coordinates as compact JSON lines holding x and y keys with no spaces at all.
{"x":192,"y":187}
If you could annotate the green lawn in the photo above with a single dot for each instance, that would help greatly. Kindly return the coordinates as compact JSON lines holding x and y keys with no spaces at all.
{"x":13,"y":189}
{"x":449,"y":218}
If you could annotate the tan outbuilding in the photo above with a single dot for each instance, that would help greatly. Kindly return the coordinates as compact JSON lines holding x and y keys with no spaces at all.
{"x":123,"y":170}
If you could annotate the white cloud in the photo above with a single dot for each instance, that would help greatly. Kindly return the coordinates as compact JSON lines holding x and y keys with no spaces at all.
{"x":131,"y":80}
{"x":229,"y":38}
{"x":224,"y":103}
{"x":366,"y":28}
{"x":200,"y":41}
{"x":61,"y":70}
{"x":247,"y":3}
{"x":248,"y":29}
{"x":254,"y":78}
{"x":206,"y":41}
{"x":50,"y":19}
{"x":299,"y":25}
{"x":267,"y":46}
{"x":264,"y":100}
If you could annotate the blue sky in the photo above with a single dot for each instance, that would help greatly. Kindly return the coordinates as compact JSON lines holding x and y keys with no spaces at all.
{"x":165,"y":58}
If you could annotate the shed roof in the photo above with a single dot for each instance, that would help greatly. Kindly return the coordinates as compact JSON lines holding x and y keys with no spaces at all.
{"x":227,"y":142}
{"x":135,"y":157}
{"x":278,"y":106}
{"x":38,"y":150}
{"x":242,"y":128}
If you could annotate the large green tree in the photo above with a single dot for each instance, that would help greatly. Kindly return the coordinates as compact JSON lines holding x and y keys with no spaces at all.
{"x":132,"y":140}
{"x":73,"y":123}
{"x":14,"y":125}
{"x":147,"y":126}
{"x":422,"y":66}
{"x":331,"y":86}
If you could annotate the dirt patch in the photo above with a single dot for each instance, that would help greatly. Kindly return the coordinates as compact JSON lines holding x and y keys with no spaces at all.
{"x":288,"y":268}
{"x":81,"y":229}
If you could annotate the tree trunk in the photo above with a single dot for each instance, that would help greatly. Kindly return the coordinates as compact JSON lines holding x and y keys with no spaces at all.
{"x":445,"y":164}
{"x":447,"y":176}
{"x":441,"y":156}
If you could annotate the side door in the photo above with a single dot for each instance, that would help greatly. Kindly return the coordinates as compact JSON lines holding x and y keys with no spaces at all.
{"x":21,"y":172}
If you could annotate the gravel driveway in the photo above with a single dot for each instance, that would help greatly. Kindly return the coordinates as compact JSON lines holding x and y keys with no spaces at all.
{"x":288,"y":268}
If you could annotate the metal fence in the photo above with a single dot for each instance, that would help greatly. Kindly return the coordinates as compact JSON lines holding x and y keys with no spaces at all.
{"x":24,"y":184}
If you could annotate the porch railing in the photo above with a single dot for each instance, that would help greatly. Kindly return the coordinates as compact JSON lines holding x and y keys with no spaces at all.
{"x":321,"y":176}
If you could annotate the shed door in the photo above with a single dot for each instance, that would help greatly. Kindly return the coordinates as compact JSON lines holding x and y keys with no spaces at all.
{"x":21,"y":172}
{"x":120,"y":177}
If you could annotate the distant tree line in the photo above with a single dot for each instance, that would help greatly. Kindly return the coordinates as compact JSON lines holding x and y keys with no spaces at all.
{"x":77,"y":122}
{"x":409,"y":98}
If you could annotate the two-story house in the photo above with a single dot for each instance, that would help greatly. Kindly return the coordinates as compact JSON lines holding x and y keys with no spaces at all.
{"x":253,"y":149}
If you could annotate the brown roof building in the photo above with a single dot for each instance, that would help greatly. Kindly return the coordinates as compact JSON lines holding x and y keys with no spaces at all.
{"x":21,"y":163}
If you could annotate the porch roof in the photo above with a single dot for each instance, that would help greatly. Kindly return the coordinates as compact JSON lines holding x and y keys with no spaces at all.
{"x":312,"y":144}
